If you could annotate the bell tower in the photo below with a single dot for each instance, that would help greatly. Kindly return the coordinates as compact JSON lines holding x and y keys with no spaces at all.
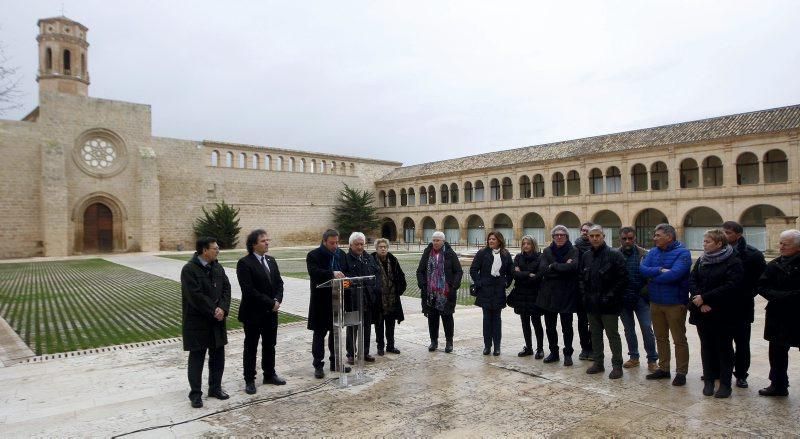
{"x":63,"y":53}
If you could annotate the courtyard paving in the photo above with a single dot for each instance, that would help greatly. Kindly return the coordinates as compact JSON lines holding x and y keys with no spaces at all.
{"x":142,"y":392}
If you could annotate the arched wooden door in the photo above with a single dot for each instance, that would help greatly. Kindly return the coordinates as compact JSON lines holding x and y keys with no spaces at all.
{"x":98,"y":227}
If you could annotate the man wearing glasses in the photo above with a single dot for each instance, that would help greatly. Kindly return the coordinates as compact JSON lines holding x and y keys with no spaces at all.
{"x":667,"y":266}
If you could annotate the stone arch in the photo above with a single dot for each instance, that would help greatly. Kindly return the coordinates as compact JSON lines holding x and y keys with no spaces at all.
{"x":453,"y":193}
{"x":638,"y":178}
{"x":502,"y":223}
{"x":423,"y":195}
{"x":409,"y":230}
{"x":776,"y":166}
{"x":254,"y":162}
{"x":403,"y":197}
{"x":431,"y":195}
{"x":452,"y":231}
{"x":444,"y":193}
{"x":695,"y":224}
{"x":479,"y":191}
{"x":753,"y":220}
{"x":538,"y":186}
{"x":689,"y":174}
{"x":596,"y":181}
{"x":428,"y":227}
{"x":611,"y":224}
{"x":215,"y":158}
{"x":712,"y":171}
{"x":659,"y":176}
{"x":392,"y":198}
{"x":573,"y":183}
{"x":613,"y":180}
{"x":494,"y":189}
{"x":291,"y":164}
{"x":242,"y":163}
{"x":559,"y":187}
{"x":571,"y":222}
{"x":524,"y":187}
{"x":508,"y":189}
{"x":412,"y":198}
{"x":118,"y":218}
{"x":388,"y":229}
{"x":468,"y":196}
{"x":382,"y":198}
{"x":476,"y":231}
{"x":533,"y":224}
{"x":747,"y":168}
{"x":644,"y":222}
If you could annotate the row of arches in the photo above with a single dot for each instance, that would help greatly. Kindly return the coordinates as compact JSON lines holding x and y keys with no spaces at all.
{"x":473,"y":229}
{"x":279,"y":163}
{"x":66,"y":63}
{"x":773,"y":168}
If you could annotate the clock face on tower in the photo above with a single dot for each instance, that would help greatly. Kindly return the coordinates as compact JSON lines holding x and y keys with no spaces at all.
{"x":100,"y":153}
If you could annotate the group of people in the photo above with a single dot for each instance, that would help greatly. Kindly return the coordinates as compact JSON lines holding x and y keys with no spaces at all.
{"x":602,"y":285}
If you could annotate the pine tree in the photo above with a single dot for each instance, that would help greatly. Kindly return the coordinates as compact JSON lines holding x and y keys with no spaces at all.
{"x":356,"y":211}
{"x":222,"y":223}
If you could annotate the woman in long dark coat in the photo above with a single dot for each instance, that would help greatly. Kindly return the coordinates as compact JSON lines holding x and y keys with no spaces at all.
{"x":492,"y":271}
{"x":715,"y":285}
{"x":558,"y":292}
{"x":523,"y":296}
{"x":389,"y":309}
{"x":439,"y":276}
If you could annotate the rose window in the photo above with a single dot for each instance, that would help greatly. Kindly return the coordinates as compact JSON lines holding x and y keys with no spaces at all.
{"x":98,"y":154}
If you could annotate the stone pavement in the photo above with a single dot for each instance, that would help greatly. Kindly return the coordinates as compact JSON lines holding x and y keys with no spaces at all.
{"x":143,"y":391}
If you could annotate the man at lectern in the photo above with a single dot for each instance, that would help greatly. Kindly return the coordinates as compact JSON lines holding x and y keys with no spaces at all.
{"x":360,"y":263}
{"x":323,"y":263}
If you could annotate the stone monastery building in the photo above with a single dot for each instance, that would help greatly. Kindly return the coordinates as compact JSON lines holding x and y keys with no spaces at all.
{"x":86,"y":175}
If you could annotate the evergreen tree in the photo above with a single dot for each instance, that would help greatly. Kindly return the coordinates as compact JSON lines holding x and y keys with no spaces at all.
{"x":355,"y":212}
{"x":221,"y":223}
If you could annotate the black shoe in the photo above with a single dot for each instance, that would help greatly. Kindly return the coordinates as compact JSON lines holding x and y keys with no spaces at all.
{"x":551,"y":358}
{"x":275,"y":380}
{"x":448,"y":346}
{"x":595,"y":368}
{"x":658,"y":375}
{"x":496,"y":352}
{"x":351,"y":360}
{"x":679,"y":380}
{"x":393,"y":350}
{"x":369,"y":358}
{"x":708,"y":388}
{"x":433,"y":346}
{"x":381,"y":352}
{"x":616,"y":373}
{"x":585,"y":355}
{"x":539,"y":354}
{"x":486,"y":351}
{"x":723,"y":391}
{"x":219,"y":394}
{"x":772,"y":390}
{"x":197,"y":401}
{"x":319,"y":373}
{"x":742,"y":383}
{"x":250,"y":387}
{"x":567,"y":360}
{"x":525,"y":352}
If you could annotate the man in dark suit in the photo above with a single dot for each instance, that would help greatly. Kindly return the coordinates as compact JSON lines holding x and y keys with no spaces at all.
{"x":262,"y":294}
{"x":206,"y":301}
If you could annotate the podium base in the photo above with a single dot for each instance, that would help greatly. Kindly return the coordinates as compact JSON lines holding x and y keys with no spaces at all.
{"x":353,"y":379}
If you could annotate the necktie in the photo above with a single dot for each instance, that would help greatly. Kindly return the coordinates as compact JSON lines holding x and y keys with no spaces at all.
{"x":264,"y":264}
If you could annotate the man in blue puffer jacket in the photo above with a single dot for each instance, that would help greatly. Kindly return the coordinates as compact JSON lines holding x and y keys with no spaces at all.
{"x":667,"y":266}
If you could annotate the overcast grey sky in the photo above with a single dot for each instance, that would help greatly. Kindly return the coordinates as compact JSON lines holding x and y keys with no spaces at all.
{"x":418,"y":81}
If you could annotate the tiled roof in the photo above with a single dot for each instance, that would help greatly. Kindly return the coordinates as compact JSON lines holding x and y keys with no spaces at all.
{"x":756,"y":122}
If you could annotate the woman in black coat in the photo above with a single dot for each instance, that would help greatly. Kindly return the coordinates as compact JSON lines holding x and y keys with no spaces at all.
{"x":390,"y":308}
{"x":523,"y":296}
{"x":558,"y":292}
{"x":439,"y":276}
{"x":715,"y":285}
{"x":492,"y":271}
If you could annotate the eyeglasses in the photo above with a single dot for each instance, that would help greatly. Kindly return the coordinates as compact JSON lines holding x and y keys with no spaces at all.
{"x":559,"y":235}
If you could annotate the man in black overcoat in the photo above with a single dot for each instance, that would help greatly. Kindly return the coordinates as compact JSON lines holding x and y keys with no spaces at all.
{"x":323,"y":263}
{"x":206,"y":300}
{"x":262,"y":294}
{"x":357,"y":263}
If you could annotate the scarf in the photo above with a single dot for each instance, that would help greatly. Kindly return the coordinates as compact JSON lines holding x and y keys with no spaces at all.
{"x":496,"y":263}
{"x":334,"y":263}
{"x":437,"y":285}
{"x":388,"y":297}
{"x":717,"y":256}
{"x":527,"y":258}
{"x":560,"y":253}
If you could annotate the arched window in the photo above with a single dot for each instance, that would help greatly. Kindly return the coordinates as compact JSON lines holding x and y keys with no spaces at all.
{"x":613,"y":180}
{"x":559,"y":189}
{"x":229,"y":159}
{"x":538,"y":186}
{"x":639,"y":178}
{"x":659,"y":177}
{"x":279,"y":163}
{"x":494,"y":190}
{"x":242,"y":160}
{"x":444,"y":194}
{"x":352,"y":169}
{"x":302,"y":165}
{"x":595,"y":181}
{"x":468,"y":192}
{"x":83,"y":65}
{"x":291,"y":164}
{"x":382,"y":199}
{"x":573,"y":183}
{"x":214,"y":158}
{"x":431,"y":195}
{"x":454,"y":193}
{"x":48,"y":60}
{"x":343,"y":168}
{"x":524,"y":187}
{"x":776,"y":167}
{"x":423,"y":196}
{"x":333,"y":168}
{"x":322,"y":167}
{"x":268,"y":162}
{"x":254,"y":162}
{"x":479,"y":190}
{"x":712,"y":171}
{"x":508,"y":189}
{"x":67,"y":62}
{"x":412,"y":199}
{"x":403,"y":197}
{"x":747,"y":169}
{"x":392,"y":198}
{"x":313,"y":166}
{"x":690,"y":174}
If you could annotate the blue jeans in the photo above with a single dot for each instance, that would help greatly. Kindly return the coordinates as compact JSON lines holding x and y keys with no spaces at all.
{"x":642,"y":311}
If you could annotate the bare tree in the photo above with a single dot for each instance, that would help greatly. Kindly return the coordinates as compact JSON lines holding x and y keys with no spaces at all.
{"x":9,"y":85}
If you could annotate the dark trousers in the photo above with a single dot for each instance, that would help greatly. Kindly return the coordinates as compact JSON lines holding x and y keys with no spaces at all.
{"x":550,"y":320}
{"x":535,"y":320}
{"x":216,"y":364}
{"x":716,"y":352}
{"x":608,"y":323}
{"x":433,"y":324}
{"x":584,"y":334}
{"x":267,"y":331}
{"x":741,"y":338}
{"x":779,"y":364}
{"x":318,"y":347}
{"x":384,"y":325}
{"x":492,"y":328}
{"x":352,"y":333}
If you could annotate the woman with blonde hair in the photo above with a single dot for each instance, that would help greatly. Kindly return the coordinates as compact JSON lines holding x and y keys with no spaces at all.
{"x":523,"y":296}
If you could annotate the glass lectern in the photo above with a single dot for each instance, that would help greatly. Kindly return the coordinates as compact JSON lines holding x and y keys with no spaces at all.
{"x":347,"y":295}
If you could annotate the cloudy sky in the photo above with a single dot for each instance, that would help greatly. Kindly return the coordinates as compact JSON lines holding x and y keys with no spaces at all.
{"x":416,"y":81}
